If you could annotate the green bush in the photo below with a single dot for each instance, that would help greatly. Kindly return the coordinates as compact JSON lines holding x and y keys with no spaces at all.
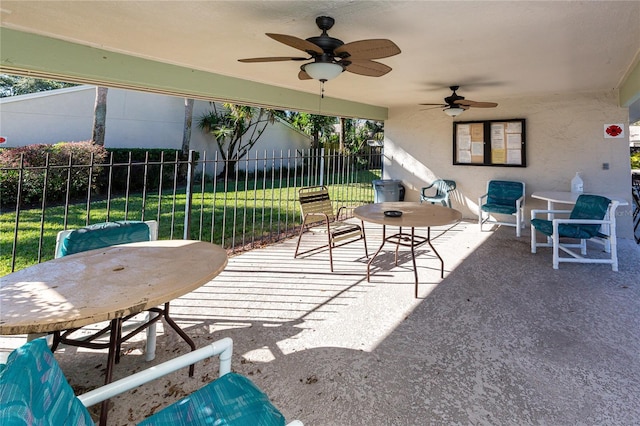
{"x":57,"y":173}
{"x":135,"y":174}
{"x":635,"y":158}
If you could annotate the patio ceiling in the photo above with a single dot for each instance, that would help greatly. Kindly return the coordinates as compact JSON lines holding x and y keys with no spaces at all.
{"x":493,"y":50}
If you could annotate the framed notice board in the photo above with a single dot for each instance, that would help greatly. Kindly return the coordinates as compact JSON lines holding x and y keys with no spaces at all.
{"x":490,"y":143}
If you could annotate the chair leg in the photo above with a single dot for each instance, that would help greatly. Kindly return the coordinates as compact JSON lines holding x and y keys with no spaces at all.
{"x":518,"y":223}
{"x":330,"y":241}
{"x":364,"y":239}
{"x":614,"y":254}
{"x":150,"y":349}
{"x":295,"y":255}
{"x":556,"y":250}
{"x":534,"y":247}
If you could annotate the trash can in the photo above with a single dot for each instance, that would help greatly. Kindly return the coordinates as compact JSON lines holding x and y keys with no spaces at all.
{"x":388,"y":190}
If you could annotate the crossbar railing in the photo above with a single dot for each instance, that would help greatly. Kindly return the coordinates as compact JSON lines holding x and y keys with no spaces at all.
{"x":238,"y":205}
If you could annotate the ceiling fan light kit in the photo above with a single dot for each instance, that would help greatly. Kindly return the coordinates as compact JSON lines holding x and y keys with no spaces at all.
{"x":453,"y":111}
{"x":323,"y":71}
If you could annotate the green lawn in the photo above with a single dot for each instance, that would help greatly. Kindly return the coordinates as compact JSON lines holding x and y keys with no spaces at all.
{"x":254,"y":210}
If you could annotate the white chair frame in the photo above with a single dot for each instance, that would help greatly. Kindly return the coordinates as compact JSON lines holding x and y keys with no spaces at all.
{"x":519,"y":214}
{"x":608,"y":238}
{"x":222,"y":348}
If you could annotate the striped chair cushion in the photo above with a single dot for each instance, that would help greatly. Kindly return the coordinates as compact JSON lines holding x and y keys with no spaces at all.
{"x":229,"y":400}
{"x":34,"y":391}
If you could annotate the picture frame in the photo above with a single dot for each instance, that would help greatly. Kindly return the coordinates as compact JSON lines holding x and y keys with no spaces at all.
{"x":500,"y":143}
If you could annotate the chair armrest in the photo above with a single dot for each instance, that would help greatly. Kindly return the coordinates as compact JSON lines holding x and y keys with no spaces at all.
{"x":536,"y":211}
{"x":222,"y":347}
{"x":583,"y":221}
{"x":422,"y":191}
{"x":340,"y":209}
{"x":482,"y":197}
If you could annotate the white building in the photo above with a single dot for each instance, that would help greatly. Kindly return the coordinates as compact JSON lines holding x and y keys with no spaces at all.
{"x":134,"y":120}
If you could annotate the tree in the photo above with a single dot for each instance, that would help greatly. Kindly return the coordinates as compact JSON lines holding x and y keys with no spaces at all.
{"x":100,"y":116}
{"x":236,"y":129}
{"x":11,"y":85}
{"x":188,"y":120}
{"x":319,"y":127}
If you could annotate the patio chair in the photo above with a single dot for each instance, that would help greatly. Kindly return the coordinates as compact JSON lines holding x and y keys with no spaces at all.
{"x":592,"y":217}
{"x":503,"y":197}
{"x":34,"y":388}
{"x":98,"y":236}
{"x":318,"y":217}
{"x":442,"y":189}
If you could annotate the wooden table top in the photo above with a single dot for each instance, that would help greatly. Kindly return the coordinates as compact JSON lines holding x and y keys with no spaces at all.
{"x":414,"y":214}
{"x":99,"y":285}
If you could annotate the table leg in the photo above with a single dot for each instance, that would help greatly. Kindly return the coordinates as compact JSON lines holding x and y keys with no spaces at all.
{"x":182,"y":334}
{"x":413,"y":259}
{"x":384,"y":240}
{"x":398,"y":243}
{"x":114,"y":344}
{"x":435,"y":251}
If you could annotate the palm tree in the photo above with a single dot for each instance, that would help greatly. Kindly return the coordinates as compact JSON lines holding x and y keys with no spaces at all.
{"x":236,"y":129}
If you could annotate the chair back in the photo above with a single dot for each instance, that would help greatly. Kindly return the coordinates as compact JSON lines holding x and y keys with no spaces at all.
{"x":315,"y":202}
{"x":33,"y":390}
{"x":504,"y":192}
{"x":591,"y":207}
{"x":444,"y":186}
{"x":104,"y":234}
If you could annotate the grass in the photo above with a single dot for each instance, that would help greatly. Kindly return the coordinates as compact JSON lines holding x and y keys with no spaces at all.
{"x":248,"y":212}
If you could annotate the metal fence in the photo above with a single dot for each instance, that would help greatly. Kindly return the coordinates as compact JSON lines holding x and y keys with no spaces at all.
{"x":238,"y":205}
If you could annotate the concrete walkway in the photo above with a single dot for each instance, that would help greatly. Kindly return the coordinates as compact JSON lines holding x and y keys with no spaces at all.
{"x":503,"y":339}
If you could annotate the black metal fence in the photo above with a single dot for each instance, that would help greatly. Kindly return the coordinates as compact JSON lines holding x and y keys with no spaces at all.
{"x":237,"y":205}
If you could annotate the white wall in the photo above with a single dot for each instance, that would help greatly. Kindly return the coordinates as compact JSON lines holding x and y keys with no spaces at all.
{"x":134,"y":120}
{"x":561,"y":132}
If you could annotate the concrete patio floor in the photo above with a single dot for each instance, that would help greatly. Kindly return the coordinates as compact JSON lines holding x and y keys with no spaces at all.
{"x":503,"y":339}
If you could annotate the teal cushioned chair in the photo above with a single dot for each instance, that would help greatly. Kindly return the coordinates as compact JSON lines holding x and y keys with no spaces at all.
{"x":592,"y":217}
{"x":33,"y":390}
{"x":442,"y":189}
{"x":101,"y":235}
{"x":503,"y":197}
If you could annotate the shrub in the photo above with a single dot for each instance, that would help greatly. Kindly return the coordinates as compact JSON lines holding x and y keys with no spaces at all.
{"x":59,"y":173}
{"x":635,"y":158}
{"x":136,"y":174}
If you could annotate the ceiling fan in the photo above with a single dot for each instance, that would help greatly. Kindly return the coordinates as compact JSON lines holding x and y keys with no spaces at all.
{"x":331,"y":56}
{"x":455,"y":104}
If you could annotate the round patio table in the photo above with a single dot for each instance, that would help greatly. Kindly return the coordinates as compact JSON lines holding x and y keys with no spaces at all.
{"x":414,"y":215}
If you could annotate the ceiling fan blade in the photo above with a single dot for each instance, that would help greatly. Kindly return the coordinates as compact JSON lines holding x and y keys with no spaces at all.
{"x":297,"y":43}
{"x":474,"y":104}
{"x":436,"y":105}
{"x":302,"y":75}
{"x":368,"y":49}
{"x":274,"y":59}
{"x":432,"y":107}
{"x":368,"y":68}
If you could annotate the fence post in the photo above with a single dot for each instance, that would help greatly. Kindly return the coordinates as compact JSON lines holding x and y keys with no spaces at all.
{"x":188,"y":193}
{"x":321,"y":166}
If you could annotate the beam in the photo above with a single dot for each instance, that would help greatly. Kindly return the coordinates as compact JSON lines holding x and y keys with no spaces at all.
{"x":38,"y":56}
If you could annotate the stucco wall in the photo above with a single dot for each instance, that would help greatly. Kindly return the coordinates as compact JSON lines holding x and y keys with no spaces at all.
{"x":134,"y":120}
{"x":561,"y":132}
